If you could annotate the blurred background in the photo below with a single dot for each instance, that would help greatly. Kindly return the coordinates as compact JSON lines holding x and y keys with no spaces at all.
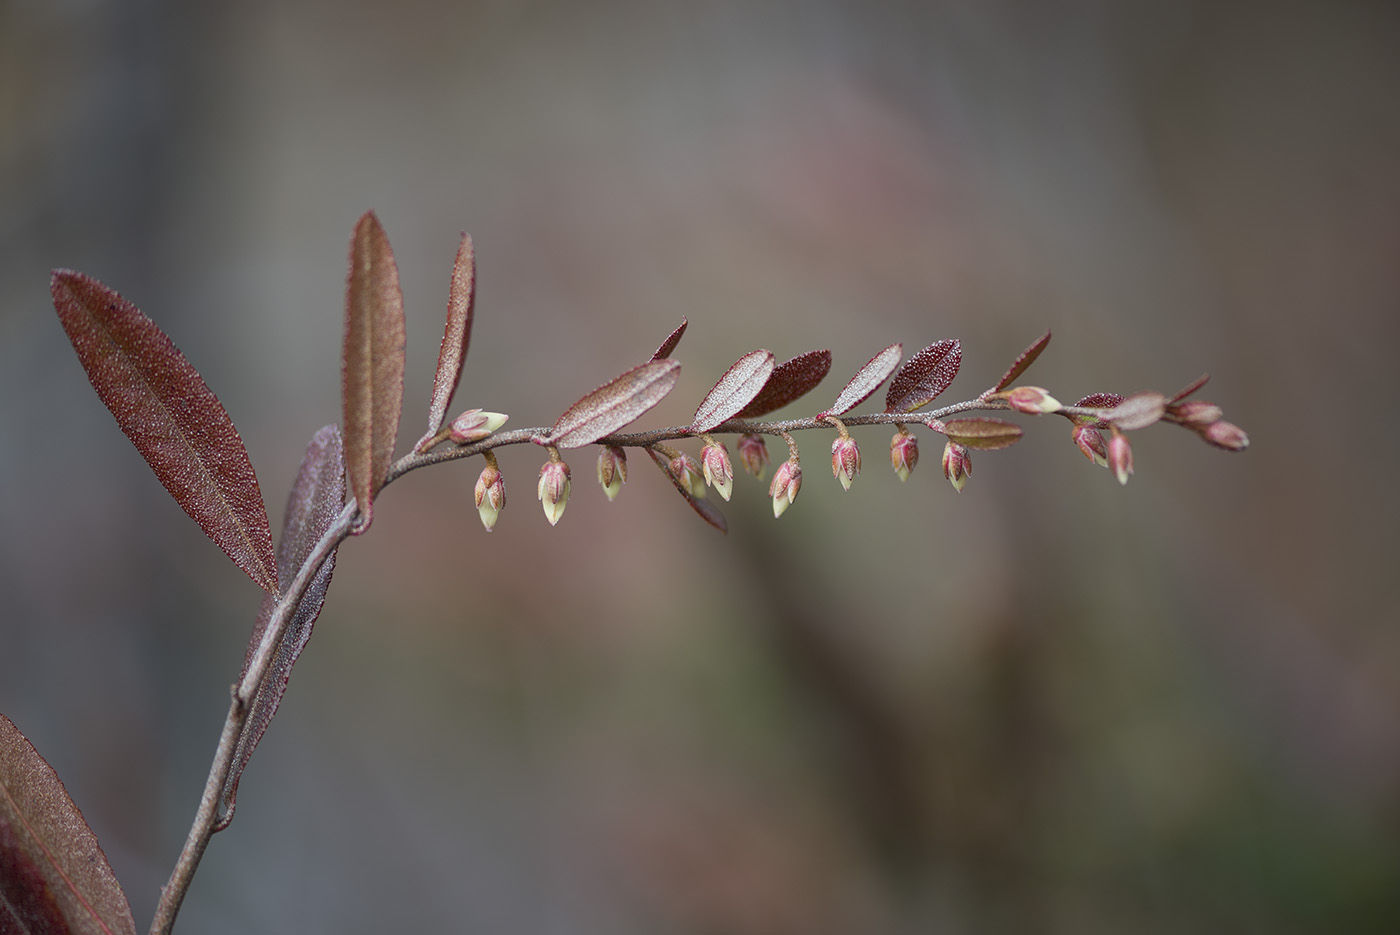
{"x":1047,"y":704}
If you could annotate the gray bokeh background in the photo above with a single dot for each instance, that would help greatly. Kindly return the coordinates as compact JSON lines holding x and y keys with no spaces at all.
{"x":1047,"y":704}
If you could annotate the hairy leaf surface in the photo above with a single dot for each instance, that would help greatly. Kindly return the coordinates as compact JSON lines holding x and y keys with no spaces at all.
{"x":171,"y":416}
{"x":983,"y":433}
{"x":703,"y":507}
{"x":1022,"y":361}
{"x":669,"y":345}
{"x":456,"y":338}
{"x":924,"y":376}
{"x":735,"y":390}
{"x":1137,"y":411}
{"x":867,"y":379}
{"x":615,"y":404}
{"x":372,"y":375}
{"x":791,"y":380}
{"x":54,"y":878}
{"x":316,"y":500}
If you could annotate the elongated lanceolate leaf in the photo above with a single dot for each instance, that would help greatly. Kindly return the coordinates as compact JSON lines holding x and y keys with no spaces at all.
{"x":372,"y":378}
{"x":54,"y":879}
{"x":704,"y":508}
{"x":171,"y":416}
{"x":867,"y":379}
{"x":615,"y":404}
{"x":456,"y":338}
{"x":1137,"y":411}
{"x":1189,"y":388}
{"x":1024,"y":360}
{"x":982,"y":433}
{"x":316,"y":500}
{"x":791,"y":380}
{"x":924,"y":376}
{"x":735,"y":390}
{"x":669,"y":345}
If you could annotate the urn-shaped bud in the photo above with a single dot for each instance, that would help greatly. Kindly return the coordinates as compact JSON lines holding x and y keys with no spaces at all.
{"x":904,"y":454}
{"x":787,"y":481}
{"x":719,"y":473}
{"x":1226,"y":435}
{"x":686,"y":470}
{"x":474,"y":425}
{"x":490,"y":495}
{"x":957,"y":465}
{"x":845,"y":460}
{"x":1120,"y":456}
{"x":754,"y":454}
{"x":1090,"y":441}
{"x":1032,"y":400}
{"x":612,"y":470}
{"x":554,"y":489}
{"x":1195,"y":413}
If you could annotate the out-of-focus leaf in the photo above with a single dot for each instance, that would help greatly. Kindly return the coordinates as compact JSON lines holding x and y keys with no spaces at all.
{"x":372,"y":378}
{"x":669,"y":345}
{"x":315,"y":501}
{"x":982,"y":433}
{"x":1024,"y":360}
{"x":615,"y":404}
{"x":867,"y":379}
{"x":1137,"y":411}
{"x":54,"y":878}
{"x":171,"y":416}
{"x":1189,"y":388}
{"x":924,"y":376}
{"x":704,"y":508}
{"x":735,"y":390}
{"x":457,"y":337}
{"x":791,"y":380}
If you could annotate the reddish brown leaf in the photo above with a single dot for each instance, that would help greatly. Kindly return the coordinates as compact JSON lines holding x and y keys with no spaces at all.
{"x":1137,"y":411}
{"x":924,"y":376}
{"x":54,"y":878}
{"x":703,"y":507}
{"x":1190,"y":388}
{"x":316,"y":500}
{"x":1100,"y":401}
{"x":174,"y":420}
{"x":982,"y":433}
{"x":735,"y":390}
{"x":372,"y":378}
{"x":461,"y":301}
{"x":669,"y":345}
{"x":790,"y":381}
{"x":614,"y":404}
{"x":1024,"y":360}
{"x":867,"y":379}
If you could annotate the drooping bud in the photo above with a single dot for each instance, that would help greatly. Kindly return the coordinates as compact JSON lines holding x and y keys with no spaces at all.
{"x":490,"y":495}
{"x":612,"y":470}
{"x":957,"y":465}
{"x":1226,"y":435}
{"x":474,"y":425}
{"x":787,"y":481}
{"x":754,"y":454}
{"x":845,"y":460}
{"x":1090,"y":441}
{"x":1032,"y":400}
{"x":686,"y":470}
{"x":1195,"y":413}
{"x":719,"y":473}
{"x":904,"y":454}
{"x":1120,"y":456}
{"x":554,"y":489}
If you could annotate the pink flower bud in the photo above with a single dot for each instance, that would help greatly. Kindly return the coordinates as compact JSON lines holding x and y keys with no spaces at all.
{"x":1120,"y":456}
{"x":719,"y":473}
{"x":686,"y":470}
{"x":845,"y":460}
{"x":474,"y":425}
{"x":754,"y":454}
{"x":1032,"y":400}
{"x":1226,"y":435}
{"x":787,"y":481}
{"x":612,"y":470}
{"x":554,"y":489}
{"x":904,"y":454}
{"x":957,"y":465}
{"x":490,"y":495}
{"x":1090,"y":441}
{"x":1195,"y":413}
